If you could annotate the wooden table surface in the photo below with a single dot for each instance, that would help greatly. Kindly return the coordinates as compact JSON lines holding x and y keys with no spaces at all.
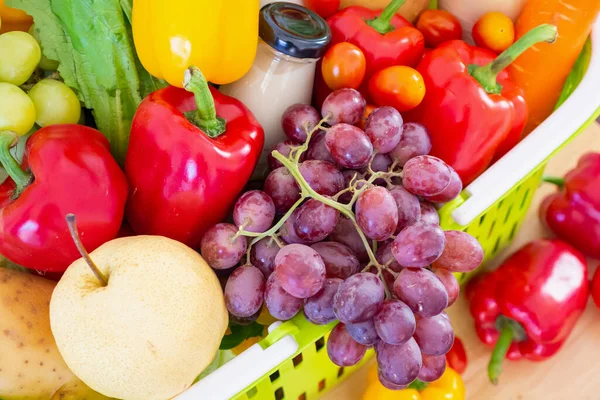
{"x":572,"y":373}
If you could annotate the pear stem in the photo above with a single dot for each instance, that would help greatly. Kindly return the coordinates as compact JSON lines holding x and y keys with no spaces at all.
{"x":72,"y":224}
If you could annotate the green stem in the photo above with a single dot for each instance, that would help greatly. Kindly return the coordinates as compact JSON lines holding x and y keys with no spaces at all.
{"x":418,"y":385}
{"x":560,"y":182}
{"x":11,"y":166}
{"x":205,"y":117}
{"x":72,"y":225}
{"x":502,"y":345}
{"x":382,"y":24}
{"x":487,"y":74}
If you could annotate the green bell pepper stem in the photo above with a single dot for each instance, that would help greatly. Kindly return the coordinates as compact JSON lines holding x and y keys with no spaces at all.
{"x":382,"y":24}
{"x":205,"y":117}
{"x":21,"y":178}
{"x":487,"y":74}
{"x":560,"y":182}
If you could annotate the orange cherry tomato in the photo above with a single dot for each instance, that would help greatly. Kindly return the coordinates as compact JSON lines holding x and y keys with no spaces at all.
{"x":494,"y":31}
{"x":343,"y":66}
{"x":368,"y":110}
{"x":399,"y":86}
{"x":439,"y":26}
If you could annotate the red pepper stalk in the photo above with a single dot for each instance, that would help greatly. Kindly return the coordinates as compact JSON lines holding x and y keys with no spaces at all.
{"x":573,"y":212}
{"x":473,"y":111}
{"x":190,"y":154}
{"x":385,"y":38}
{"x":69,"y":169}
{"x":528,"y":307}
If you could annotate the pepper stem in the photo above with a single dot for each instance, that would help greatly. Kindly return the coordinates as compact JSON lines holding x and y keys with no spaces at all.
{"x":11,"y":166}
{"x":418,"y":385}
{"x":510,"y":330}
{"x":205,"y":117}
{"x":487,"y":74}
{"x":72,"y":224}
{"x":382,"y":24}
{"x":560,"y":182}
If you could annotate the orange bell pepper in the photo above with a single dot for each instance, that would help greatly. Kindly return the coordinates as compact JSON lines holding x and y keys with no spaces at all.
{"x":14,"y":19}
{"x":450,"y":386}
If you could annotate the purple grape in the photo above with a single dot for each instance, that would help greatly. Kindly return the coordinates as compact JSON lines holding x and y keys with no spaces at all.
{"x":255,"y":211}
{"x":345,"y":233}
{"x":422,"y":291}
{"x":389,"y":278}
{"x":242,"y":321}
{"x":280,"y":303}
{"x":452,"y":190}
{"x":418,"y":245}
{"x":300,"y":270}
{"x":342,"y":350}
{"x":384,"y":128}
{"x":281,"y":186}
{"x":388,"y":384}
{"x":296,"y":118}
{"x":434,"y":335}
{"x":318,"y":309}
{"x":409,"y":208}
{"x":317,"y":149}
{"x":284,"y":148}
{"x":377,"y":213}
{"x":399,"y":364}
{"x":363,"y":332}
{"x":262,"y":255}
{"x":384,"y":255}
{"x":323,"y":177}
{"x":288,"y":232}
{"x":349,"y":146}
{"x":450,"y":283}
{"x":348,"y":175}
{"x":245,"y":291}
{"x":315,"y":221}
{"x":462,"y":253}
{"x":358,"y":298}
{"x":344,"y":106}
{"x":381,"y":163}
{"x":426,"y":176}
{"x":219,"y":248}
{"x":433,"y":368}
{"x":394,"y":322}
{"x":429,"y":213}
{"x":415,"y":142}
{"x":340,"y":261}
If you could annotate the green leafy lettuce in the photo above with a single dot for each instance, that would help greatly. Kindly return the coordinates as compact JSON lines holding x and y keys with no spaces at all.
{"x":92,"y":41}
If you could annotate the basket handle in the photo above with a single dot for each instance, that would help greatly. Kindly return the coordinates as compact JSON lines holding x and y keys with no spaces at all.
{"x":517,"y":165}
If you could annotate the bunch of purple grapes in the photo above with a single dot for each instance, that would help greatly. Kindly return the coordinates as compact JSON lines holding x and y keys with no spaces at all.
{"x":346,"y":230}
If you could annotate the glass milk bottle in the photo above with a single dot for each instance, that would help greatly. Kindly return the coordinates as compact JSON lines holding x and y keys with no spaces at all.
{"x":292,"y":40}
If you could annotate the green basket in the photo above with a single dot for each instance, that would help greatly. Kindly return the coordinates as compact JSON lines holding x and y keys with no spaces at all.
{"x":308,"y":373}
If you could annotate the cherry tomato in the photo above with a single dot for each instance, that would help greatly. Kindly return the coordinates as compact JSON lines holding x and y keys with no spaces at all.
{"x":343,"y":66}
{"x":325,"y":8}
{"x":439,"y":26}
{"x":494,"y":31}
{"x":595,"y":287}
{"x":399,"y":86}
{"x":368,"y":110}
{"x":457,"y":356}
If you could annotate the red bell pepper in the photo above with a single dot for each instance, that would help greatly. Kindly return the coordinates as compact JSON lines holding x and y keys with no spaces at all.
{"x":457,"y":356}
{"x":573,"y":213}
{"x":471,"y":108}
{"x":385,"y":38}
{"x":66,"y":169}
{"x":528,"y":307}
{"x":191,"y":151}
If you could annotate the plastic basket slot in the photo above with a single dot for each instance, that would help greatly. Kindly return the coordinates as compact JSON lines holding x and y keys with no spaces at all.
{"x":320,"y":344}
{"x":274,"y":376}
{"x":340,"y":372}
{"x":279,"y":394}
{"x":252,"y":392}
{"x":297,"y":360}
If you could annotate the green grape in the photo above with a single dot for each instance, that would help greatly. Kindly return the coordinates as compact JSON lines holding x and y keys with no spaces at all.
{"x":45,"y":63}
{"x":20,"y":55}
{"x":55,"y":103}
{"x":17,"y":112}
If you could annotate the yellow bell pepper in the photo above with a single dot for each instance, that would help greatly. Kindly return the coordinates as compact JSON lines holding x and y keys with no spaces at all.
{"x":219,"y":37}
{"x":14,"y":19}
{"x":450,"y":386}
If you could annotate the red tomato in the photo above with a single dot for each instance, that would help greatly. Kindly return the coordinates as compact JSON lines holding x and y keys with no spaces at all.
{"x":400,"y":87}
{"x":439,"y":26}
{"x":325,"y":8}
{"x":368,"y":110}
{"x":595,"y":287}
{"x":343,"y":66}
{"x":457,"y":356}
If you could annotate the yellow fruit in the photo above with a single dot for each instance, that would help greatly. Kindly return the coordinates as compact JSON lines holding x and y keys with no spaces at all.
{"x":77,"y":390}
{"x":152,"y":330}
{"x":265,"y":318}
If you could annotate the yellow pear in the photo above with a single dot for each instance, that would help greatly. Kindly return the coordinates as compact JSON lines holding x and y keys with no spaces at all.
{"x":77,"y":390}
{"x":145,"y":324}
